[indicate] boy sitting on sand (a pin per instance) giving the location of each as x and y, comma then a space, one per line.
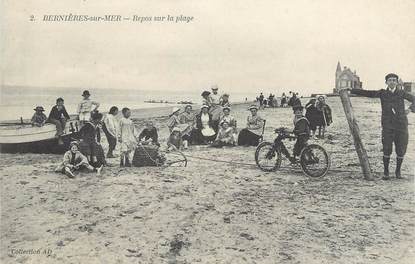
38, 118
175, 141
73, 160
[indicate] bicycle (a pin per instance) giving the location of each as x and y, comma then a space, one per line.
314, 159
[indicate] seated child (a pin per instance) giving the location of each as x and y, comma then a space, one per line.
149, 135
225, 136
38, 118
175, 141
74, 160
302, 132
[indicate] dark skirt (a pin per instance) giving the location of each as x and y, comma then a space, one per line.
93, 149
248, 138
199, 138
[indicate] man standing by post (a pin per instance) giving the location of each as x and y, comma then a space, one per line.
394, 120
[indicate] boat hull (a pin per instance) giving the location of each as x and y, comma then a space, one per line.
28, 139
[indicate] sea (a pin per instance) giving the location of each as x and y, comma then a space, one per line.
19, 101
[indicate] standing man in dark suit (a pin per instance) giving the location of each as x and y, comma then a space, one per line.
394, 120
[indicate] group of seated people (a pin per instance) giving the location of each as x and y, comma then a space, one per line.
203, 128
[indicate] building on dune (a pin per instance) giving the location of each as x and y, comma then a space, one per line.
346, 78
409, 87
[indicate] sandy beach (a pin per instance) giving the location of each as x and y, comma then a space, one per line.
214, 212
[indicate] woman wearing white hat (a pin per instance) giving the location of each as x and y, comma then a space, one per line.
205, 132
250, 135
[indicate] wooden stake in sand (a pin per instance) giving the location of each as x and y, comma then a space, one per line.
354, 130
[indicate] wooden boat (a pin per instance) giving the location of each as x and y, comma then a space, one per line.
23, 137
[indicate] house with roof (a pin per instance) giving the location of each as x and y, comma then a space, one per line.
346, 78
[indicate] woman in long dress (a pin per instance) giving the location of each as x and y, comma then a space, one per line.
188, 120
324, 115
204, 132
127, 138
250, 135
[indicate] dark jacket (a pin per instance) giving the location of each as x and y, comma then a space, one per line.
57, 114
302, 127
199, 121
90, 133
147, 134
393, 106
294, 101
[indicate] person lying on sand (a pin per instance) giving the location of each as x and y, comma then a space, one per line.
74, 160
38, 118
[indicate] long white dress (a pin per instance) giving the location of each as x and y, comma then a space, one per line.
127, 135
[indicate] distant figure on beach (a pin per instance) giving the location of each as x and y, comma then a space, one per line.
250, 135
204, 133
294, 100
127, 138
394, 120
175, 141
149, 135
90, 144
85, 107
74, 160
58, 116
110, 127
261, 100
324, 117
188, 118
284, 100
38, 118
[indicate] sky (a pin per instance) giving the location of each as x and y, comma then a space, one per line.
238, 45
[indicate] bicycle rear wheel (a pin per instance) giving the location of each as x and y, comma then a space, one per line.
267, 158
314, 161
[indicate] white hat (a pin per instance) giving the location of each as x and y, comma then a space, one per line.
253, 107
176, 129
175, 109
226, 107
204, 106
215, 87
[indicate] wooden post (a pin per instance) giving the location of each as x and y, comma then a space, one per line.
354, 130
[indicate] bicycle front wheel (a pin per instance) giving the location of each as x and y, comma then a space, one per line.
267, 157
314, 161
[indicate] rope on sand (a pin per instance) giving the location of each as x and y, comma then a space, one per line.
285, 168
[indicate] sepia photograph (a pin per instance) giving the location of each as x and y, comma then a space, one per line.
195, 131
